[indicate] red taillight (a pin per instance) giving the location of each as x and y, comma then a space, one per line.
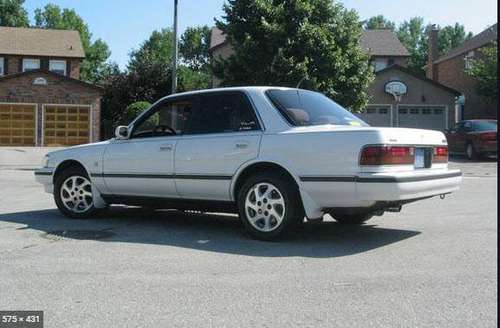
440, 155
387, 155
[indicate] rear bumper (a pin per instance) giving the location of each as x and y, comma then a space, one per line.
407, 186
367, 189
44, 177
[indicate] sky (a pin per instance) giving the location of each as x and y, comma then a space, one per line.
125, 24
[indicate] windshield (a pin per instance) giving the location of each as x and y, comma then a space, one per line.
306, 108
485, 125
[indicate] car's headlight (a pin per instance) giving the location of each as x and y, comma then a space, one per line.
45, 162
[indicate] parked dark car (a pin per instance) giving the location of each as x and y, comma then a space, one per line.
474, 138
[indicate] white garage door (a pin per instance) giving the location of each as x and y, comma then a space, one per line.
422, 117
376, 115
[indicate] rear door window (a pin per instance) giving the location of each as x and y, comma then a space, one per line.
222, 113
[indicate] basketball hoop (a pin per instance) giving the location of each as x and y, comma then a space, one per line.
397, 89
397, 96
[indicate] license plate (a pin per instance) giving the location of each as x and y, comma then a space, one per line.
419, 158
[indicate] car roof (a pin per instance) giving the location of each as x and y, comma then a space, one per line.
242, 88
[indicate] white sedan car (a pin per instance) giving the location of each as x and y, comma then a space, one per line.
273, 155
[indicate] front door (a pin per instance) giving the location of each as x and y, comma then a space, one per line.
223, 133
143, 165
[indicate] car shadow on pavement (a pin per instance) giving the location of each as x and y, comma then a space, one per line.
206, 232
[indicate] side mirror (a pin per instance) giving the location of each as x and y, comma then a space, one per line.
122, 132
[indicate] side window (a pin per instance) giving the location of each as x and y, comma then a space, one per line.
223, 113
165, 119
467, 126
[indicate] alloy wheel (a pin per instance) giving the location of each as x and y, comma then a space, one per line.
265, 207
76, 194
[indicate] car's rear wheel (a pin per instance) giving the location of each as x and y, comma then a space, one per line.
352, 219
73, 193
269, 206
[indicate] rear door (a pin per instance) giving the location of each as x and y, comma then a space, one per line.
223, 133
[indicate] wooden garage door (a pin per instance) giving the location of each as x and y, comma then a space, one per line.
17, 125
66, 125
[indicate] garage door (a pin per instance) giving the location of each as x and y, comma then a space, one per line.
17, 125
422, 117
376, 115
66, 125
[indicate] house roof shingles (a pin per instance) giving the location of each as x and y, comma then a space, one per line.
40, 42
374, 42
217, 38
382, 43
485, 37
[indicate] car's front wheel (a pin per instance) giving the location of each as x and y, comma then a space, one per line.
73, 193
269, 206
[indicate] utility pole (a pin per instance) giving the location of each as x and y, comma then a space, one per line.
175, 52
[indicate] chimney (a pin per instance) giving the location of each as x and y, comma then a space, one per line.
433, 52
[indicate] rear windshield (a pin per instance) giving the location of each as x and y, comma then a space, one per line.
485, 125
306, 108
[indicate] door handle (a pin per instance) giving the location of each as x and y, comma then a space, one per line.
241, 145
166, 148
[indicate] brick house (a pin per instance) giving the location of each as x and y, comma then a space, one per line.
42, 100
449, 70
426, 103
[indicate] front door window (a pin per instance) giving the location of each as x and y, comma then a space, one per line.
166, 119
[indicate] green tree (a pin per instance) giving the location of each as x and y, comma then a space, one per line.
451, 37
194, 46
96, 52
281, 42
413, 35
485, 70
134, 109
379, 22
156, 49
194, 69
12, 13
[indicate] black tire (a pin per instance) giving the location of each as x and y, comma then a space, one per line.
293, 210
472, 153
352, 219
59, 180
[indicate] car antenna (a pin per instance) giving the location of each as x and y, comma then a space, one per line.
302, 80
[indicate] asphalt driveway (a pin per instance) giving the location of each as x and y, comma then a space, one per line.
432, 265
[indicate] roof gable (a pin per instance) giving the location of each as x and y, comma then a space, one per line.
416, 76
40, 42
38, 72
485, 37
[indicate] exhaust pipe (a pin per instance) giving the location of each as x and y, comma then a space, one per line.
394, 209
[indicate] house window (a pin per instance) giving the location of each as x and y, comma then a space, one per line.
58, 66
2, 65
371, 110
379, 64
31, 64
469, 60
426, 111
391, 61
382, 111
